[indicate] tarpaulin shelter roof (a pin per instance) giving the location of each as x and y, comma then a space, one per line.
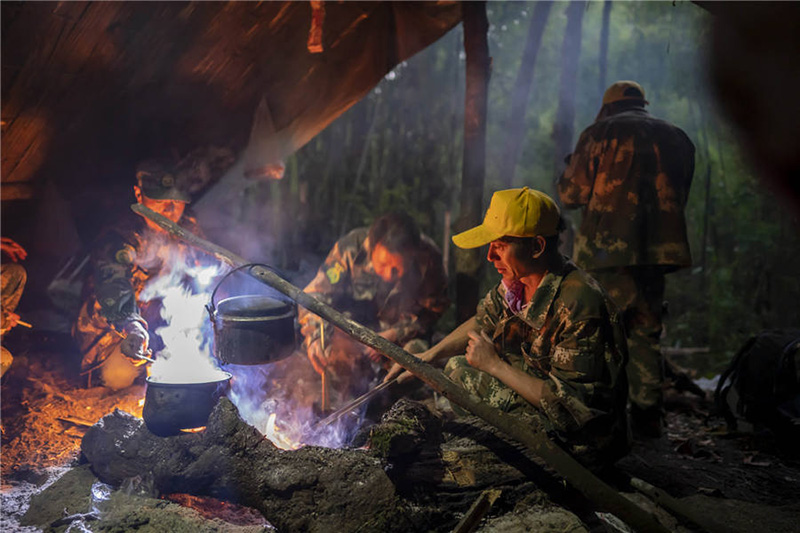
90, 88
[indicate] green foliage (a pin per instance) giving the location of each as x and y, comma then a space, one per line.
401, 148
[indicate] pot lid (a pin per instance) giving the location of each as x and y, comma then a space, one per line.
252, 306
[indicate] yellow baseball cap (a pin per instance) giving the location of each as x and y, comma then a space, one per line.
513, 213
623, 90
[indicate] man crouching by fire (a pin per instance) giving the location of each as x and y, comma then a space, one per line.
389, 277
112, 327
546, 344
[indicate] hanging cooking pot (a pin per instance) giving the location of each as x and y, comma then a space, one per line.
252, 329
171, 407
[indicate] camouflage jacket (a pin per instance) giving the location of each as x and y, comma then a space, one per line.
348, 282
631, 174
569, 335
123, 258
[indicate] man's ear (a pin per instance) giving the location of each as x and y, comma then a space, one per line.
138, 193
539, 248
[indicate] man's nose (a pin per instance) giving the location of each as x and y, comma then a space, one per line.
491, 255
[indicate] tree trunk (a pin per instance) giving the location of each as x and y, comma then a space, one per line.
603, 60
515, 127
564, 125
469, 262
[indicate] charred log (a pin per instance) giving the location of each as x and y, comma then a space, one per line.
420, 473
449, 464
311, 489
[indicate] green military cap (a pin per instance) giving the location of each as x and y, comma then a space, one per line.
158, 180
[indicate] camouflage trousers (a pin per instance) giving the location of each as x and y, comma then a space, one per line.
12, 285
492, 391
588, 451
638, 292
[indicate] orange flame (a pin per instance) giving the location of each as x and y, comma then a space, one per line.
194, 430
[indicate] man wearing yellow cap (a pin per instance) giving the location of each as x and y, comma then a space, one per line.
545, 344
630, 174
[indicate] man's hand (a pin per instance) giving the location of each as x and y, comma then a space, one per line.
404, 374
14, 251
135, 342
318, 357
12, 319
395, 371
8, 321
481, 353
376, 356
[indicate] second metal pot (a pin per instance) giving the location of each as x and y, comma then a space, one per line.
171, 407
252, 329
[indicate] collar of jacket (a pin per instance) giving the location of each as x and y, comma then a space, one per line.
544, 296
630, 110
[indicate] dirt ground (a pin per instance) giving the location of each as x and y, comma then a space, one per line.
745, 481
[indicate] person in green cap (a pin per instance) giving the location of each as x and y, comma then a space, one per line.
545, 344
630, 176
111, 329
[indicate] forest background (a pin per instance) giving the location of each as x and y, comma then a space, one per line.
400, 148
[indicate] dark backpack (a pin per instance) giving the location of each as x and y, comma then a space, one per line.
761, 386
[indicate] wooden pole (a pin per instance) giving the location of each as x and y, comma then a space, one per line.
677, 507
579, 477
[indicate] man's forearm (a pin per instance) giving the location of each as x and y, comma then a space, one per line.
455, 343
528, 386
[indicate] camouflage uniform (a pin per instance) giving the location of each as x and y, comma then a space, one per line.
123, 259
348, 282
630, 173
14, 277
570, 336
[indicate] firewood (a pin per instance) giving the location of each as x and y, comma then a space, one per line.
470, 522
75, 420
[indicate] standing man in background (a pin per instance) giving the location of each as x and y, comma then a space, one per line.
630, 174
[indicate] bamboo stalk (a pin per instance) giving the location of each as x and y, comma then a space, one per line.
324, 376
579, 477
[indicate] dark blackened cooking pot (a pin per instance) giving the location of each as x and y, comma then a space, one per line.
171, 407
252, 329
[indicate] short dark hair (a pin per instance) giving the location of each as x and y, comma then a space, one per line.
527, 245
396, 231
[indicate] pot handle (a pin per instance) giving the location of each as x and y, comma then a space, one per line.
211, 307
